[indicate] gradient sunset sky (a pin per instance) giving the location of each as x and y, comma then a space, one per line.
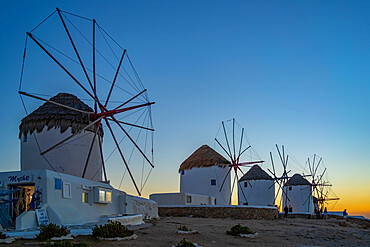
291, 72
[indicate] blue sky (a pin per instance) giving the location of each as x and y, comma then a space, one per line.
291, 72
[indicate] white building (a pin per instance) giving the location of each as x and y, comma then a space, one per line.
298, 195
68, 200
203, 173
256, 188
54, 182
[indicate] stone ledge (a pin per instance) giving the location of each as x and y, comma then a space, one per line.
244, 213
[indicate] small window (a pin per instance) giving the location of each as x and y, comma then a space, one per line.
245, 203
245, 184
290, 187
25, 138
102, 195
182, 172
108, 196
67, 190
85, 197
213, 182
215, 201
188, 199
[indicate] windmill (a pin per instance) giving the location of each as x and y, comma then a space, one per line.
72, 53
284, 177
234, 148
320, 186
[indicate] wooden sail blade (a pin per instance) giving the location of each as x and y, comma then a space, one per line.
115, 78
53, 102
128, 101
75, 49
223, 182
227, 141
90, 151
122, 156
133, 125
223, 148
133, 142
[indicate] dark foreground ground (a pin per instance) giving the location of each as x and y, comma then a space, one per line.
212, 232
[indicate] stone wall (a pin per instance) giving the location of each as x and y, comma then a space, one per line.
235, 212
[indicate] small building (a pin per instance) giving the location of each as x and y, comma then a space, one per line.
256, 188
67, 199
205, 172
298, 195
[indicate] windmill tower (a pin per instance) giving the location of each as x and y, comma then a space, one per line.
50, 124
256, 188
299, 194
203, 172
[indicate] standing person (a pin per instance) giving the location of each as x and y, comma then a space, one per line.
325, 213
345, 213
315, 213
286, 211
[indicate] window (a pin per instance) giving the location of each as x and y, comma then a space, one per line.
213, 182
245, 184
25, 138
290, 187
85, 197
188, 199
108, 196
182, 172
245, 203
67, 190
102, 195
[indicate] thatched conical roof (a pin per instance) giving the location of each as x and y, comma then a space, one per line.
256, 173
203, 157
297, 179
53, 116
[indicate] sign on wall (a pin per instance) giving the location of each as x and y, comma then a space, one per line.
42, 217
16, 179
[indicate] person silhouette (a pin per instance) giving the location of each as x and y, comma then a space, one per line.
286, 211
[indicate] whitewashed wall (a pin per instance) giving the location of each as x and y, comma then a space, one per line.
69, 158
198, 181
300, 198
261, 193
181, 199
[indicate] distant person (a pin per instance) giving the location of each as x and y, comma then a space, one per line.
315, 211
325, 213
320, 214
286, 210
345, 213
